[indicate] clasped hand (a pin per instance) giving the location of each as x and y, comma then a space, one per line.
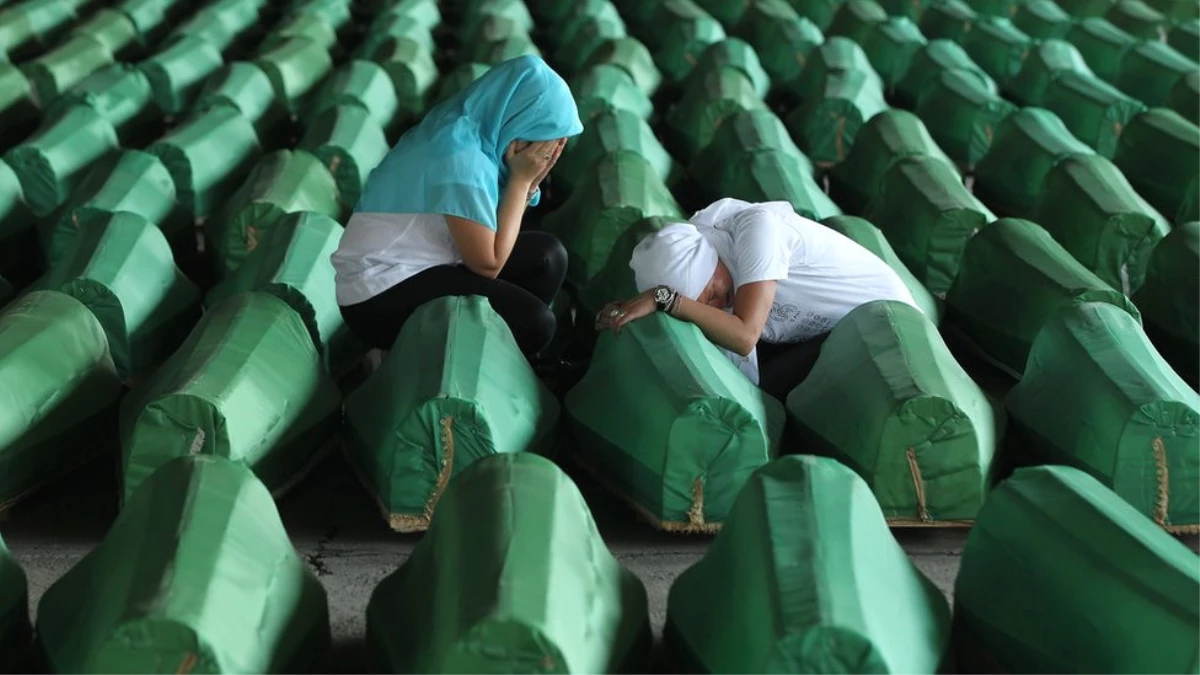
530, 164
615, 315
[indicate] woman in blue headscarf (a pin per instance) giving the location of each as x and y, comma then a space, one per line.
441, 215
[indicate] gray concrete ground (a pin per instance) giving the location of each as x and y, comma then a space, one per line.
337, 529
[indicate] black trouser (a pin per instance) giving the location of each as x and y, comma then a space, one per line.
783, 366
521, 295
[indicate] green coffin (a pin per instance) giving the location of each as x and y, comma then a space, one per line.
711, 97
1170, 299
865, 234
948, 20
615, 280
806, 578
1014, 277
745, 131
295, 68
774, 175
1045, 62
177, 72
1159, 152
535, 589
121, 94
1097, 396
197, 575
667, 422
782, 39
856, 19
1093, 110
52, 162
68, 64
244, 87
247, 385
891, 46
431, 410
963, 115
999, 47
1102, 44
350, 143
610, 131
681, 32
1043, 20
361, 83
1138, 19
929, 62
630, 55
61, 391
1184, 98
1061, 576
1150, 70
606, 87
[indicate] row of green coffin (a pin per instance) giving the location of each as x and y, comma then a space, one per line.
805, 577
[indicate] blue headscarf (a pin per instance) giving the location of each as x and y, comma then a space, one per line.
453, 161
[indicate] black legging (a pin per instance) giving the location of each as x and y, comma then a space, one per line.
781, 367
521, 295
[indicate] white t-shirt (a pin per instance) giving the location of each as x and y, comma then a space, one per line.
379, 250
821, 274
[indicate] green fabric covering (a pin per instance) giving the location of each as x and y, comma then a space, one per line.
681, 32
1159, 152
1093, 110
888, 136
906, 9
1014, 276
580, 40
424, 11
820, 12
430, 411
295, 68
856, 19
244, 87
120, 266
884, 370
630, 55
1151, 70
293, 263
963, 116
669, 423
1189, 210
113, 29
1133, 423
929, 216
998, 47
65, 66
608, 132
52, 162
806, 578
361, 83
534, 589
1053, 545
731, 53
1185, 98
285, 181
863, 233
615, 280
1045, 62
928, 64
350, 144
513, 10
15, 631
392, 26
744, 132
827, 124
1091, 209
890, 46
122, 95
308, 26
1170, 299
457, 80
197, 574
1028, 144
247, 385
1042, 20
208, 157
1102, 44
177, 73
495, 53
30, 27
337, 13
1185, 38
728, 12
413, 75
775, 175
1138, 19
58, 411
7, 292
131, 182
580, 16
616, 191
835, 57
18, 112
997, 8
1083, 9
780, 36
948, 20
1176, 12
710, 99
150, 17
608, 87
221, 24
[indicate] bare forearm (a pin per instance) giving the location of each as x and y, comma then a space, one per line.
508, 222
722, 328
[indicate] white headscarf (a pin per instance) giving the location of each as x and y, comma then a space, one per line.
678, 256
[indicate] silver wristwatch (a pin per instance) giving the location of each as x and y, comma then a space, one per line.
664, 298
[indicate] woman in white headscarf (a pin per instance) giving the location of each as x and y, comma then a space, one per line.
760, 281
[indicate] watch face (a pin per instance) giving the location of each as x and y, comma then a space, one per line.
661, 294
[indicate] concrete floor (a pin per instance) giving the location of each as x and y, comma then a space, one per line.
338, 531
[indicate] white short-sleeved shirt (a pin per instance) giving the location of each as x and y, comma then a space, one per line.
379, 250
821, 274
